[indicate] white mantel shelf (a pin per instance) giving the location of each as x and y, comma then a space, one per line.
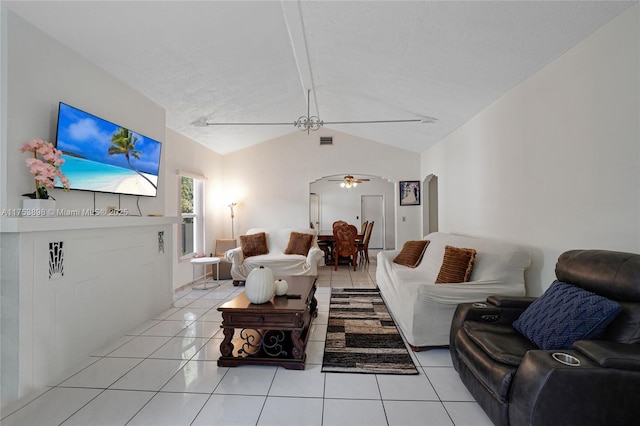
43, 224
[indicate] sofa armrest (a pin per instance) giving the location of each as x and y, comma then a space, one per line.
387, 256
484, 312
510, 301
313, 256
610, 354
234, 256
546, 392
478, 311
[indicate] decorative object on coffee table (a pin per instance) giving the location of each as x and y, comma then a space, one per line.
260, 286
274, 333
281, 287
362, 336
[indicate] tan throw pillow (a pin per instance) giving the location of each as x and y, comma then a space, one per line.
299, 243
254, 244
411, 253
456, 265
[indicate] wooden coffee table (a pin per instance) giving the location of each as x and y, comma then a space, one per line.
272, 333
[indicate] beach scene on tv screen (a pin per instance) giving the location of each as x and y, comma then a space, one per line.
104, 157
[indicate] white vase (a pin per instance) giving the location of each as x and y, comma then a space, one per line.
260, 286
38, 207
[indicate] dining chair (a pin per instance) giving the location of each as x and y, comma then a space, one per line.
345, 244
339, 223
363, 246
363, 230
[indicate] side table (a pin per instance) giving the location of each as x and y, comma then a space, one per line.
205, 261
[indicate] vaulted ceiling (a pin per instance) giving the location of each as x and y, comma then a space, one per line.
254, 61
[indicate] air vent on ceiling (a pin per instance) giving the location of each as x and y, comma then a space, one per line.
326, 140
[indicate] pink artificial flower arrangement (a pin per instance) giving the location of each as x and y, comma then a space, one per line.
47, 170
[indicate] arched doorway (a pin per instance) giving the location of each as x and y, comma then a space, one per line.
430, 208
328, 202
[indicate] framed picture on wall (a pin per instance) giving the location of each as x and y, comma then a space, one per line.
409, 193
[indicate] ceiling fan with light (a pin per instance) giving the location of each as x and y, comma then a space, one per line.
306, 123
349, 181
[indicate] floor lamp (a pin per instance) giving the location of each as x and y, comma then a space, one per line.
231, 206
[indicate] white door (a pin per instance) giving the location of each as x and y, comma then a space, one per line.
372, 208
314, 211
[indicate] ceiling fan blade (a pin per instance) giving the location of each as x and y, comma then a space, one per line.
208, 123
373, 121
425, 120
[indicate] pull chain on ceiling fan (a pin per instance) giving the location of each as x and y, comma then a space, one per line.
307, 123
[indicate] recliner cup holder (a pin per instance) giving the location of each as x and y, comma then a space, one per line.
566, 359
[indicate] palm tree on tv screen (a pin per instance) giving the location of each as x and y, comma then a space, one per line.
124, 142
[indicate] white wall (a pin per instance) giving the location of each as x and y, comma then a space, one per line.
38, 73
187, 155
271, 180
555, 163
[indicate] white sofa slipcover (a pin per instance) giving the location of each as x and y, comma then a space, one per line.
281, 264
422, 309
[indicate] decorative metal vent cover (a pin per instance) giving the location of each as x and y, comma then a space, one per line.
326, 140
160, 241
56, 260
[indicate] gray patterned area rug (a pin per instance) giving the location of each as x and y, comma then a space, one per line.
362, 337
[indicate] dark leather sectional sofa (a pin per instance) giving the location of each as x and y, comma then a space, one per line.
516, 383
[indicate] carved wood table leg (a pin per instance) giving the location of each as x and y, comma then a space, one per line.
298, 344
226, 347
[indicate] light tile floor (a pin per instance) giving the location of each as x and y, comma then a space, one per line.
164, 372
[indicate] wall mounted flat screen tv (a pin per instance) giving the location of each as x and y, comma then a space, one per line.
104, 157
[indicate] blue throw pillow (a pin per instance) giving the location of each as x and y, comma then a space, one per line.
565, 314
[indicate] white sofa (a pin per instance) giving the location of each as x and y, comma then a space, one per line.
422, 309
280, 263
